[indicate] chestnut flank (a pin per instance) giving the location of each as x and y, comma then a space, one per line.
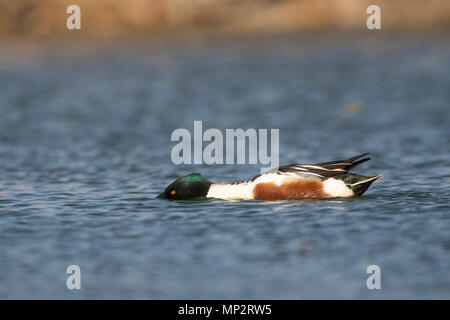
309, 188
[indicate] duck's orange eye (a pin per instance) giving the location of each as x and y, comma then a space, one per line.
172, 192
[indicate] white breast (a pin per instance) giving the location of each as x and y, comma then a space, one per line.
227, 191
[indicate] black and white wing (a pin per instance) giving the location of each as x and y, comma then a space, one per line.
323, 170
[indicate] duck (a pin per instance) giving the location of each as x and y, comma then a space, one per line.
289, 182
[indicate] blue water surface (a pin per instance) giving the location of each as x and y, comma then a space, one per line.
85, 148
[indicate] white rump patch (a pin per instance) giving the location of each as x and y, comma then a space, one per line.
337, 188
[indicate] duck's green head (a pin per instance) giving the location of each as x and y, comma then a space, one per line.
188, 187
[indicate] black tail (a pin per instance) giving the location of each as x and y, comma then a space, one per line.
359, 184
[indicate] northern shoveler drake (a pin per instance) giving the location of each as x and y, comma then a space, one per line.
294, 181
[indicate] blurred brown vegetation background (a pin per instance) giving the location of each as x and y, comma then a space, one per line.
112, 18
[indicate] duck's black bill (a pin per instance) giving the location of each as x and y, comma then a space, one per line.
162, 196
